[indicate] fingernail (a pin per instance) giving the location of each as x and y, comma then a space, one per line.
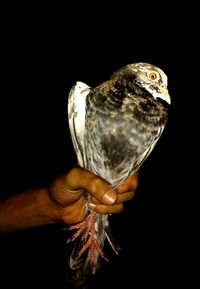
118, 190
109, 197
92, 206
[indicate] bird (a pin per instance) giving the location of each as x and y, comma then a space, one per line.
114, 126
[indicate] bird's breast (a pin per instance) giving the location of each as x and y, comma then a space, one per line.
118, 133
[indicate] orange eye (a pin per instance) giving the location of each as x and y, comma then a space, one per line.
153, 75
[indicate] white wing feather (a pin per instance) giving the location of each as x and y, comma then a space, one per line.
76, 118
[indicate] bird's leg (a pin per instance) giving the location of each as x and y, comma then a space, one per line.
83, 226
90, 238
90, 224
94, 251
79, 228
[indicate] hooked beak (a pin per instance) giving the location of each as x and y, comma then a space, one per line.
165, 94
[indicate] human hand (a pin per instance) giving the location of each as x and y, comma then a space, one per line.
68, 200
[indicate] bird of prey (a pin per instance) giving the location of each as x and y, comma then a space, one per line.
114, 127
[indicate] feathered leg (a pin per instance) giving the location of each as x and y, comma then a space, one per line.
92, 234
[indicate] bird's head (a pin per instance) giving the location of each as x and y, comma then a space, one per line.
148, 77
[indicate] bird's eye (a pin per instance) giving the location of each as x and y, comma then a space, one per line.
153, 75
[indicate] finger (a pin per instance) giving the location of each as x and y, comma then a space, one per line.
79, 178
74, 213
103, 209
121, 198
130, 184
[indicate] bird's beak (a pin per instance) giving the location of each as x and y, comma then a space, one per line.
165, 94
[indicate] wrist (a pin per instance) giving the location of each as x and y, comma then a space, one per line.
49, 207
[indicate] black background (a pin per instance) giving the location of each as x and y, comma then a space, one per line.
43, 53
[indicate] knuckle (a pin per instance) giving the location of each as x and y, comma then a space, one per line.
136, 180
130, 195
101, 209
120, 208
95, 184
73, 172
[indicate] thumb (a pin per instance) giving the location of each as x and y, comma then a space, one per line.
79, 178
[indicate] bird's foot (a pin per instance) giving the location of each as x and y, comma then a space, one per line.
84, 227
90, 240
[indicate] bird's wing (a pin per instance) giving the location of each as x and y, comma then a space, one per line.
76, 119
147, 152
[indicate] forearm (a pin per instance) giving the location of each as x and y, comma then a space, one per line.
26, 210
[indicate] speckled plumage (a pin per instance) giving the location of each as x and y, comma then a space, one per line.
115, 126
